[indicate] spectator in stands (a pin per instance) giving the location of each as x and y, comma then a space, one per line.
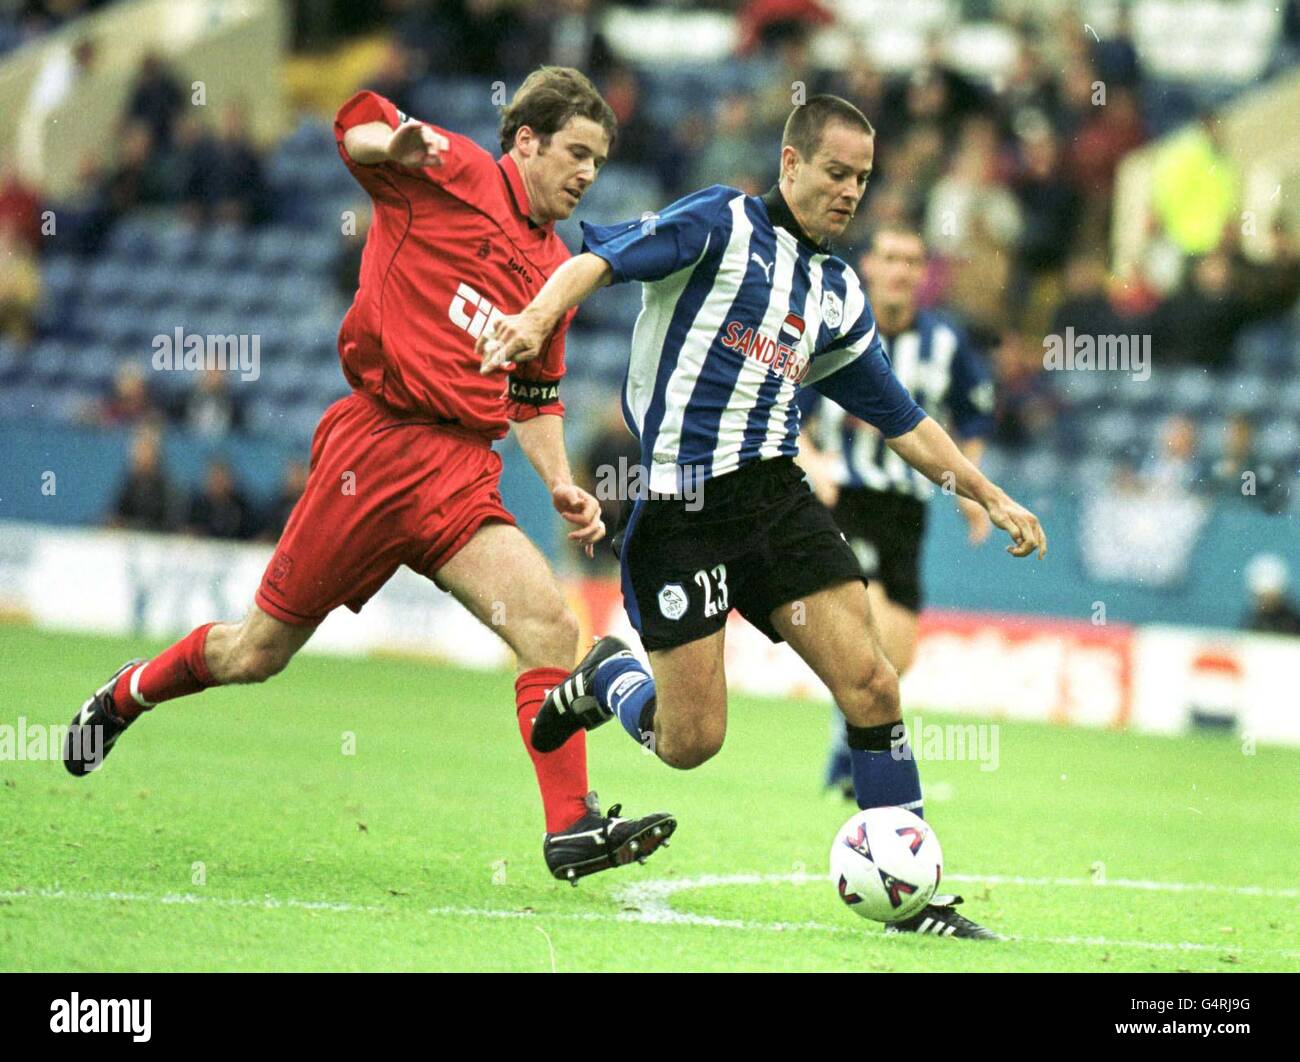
1108, 133
20, 209
129, 403
471, 38
967, 201
1049, 205
20, 286
136, 181
1271, 612
731, 155
396, 76
1241, 473
1086, 307
1196, 187
225, 181
611, 460
641, 141
763, 21
211, 409
1176, 468
1199, 322
220, 509
567, 33
85, 217
1030, 87
1025, 404
147, 499
863, 85
291, 488
156, 99
1116, 56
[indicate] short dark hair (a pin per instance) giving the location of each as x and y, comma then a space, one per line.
549, 97
804, 127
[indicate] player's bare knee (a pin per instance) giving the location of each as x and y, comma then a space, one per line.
686, 749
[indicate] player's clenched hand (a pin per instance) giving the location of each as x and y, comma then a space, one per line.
416, 145
1027, 534
579, 507
510, 340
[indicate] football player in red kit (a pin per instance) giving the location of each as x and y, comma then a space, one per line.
402, 470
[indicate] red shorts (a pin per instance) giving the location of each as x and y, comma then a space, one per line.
383, 491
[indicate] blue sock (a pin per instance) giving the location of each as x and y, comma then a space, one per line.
884, 772
624, 686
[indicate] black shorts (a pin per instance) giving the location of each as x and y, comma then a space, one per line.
885, 530
759, 540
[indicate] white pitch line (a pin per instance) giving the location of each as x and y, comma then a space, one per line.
1128, 883
681, 918
668, 886
649, 903
268, 903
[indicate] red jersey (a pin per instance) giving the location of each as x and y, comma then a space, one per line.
450, 249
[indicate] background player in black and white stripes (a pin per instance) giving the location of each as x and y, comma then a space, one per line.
878, 500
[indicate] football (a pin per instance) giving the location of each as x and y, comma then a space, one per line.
886, 864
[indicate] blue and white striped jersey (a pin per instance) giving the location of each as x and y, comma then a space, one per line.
739, 311
937, 363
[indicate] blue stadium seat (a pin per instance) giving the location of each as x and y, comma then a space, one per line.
1266, 348
1083, 391
1247, 393
453, 103
1112, 432
1279, 441
1192, 390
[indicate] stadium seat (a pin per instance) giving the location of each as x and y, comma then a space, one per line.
1192, 390
1247, 393
1279, 442
1113, 432
1265, 348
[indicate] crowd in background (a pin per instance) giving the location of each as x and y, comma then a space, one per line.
149, 499
165, 155
1011, 184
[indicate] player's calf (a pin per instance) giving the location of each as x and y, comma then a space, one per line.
251, 651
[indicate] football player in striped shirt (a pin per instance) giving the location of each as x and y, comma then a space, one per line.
744, 304
877, 499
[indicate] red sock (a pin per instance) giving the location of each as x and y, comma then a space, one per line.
562, 774
175, 672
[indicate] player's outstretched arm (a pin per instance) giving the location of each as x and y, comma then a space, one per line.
542, 440
412, 144
522, 336
931, 451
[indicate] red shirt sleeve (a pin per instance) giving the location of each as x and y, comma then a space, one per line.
533, 388
462, 166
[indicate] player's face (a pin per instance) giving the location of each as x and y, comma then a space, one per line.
894, 268
559, 174
826, 190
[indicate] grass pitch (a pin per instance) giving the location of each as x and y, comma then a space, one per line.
234, 831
